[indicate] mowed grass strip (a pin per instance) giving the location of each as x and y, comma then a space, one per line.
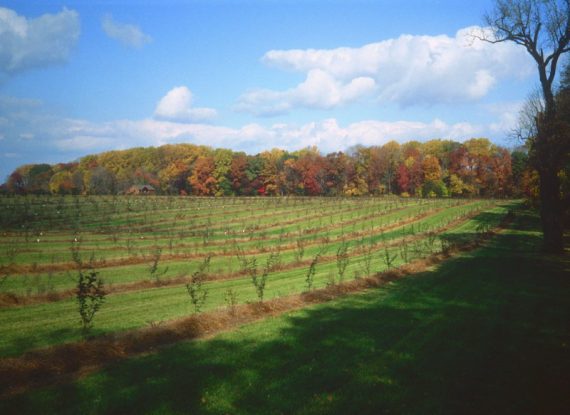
288, 262
486, 332
130, 243
35, 326
46, 245
90, 210
99, 214
224, 261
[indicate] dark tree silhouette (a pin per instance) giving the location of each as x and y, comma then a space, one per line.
542, 27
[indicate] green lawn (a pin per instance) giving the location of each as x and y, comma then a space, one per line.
487, 332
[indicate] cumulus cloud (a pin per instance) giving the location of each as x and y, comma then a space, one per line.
28, 125
127, 34
33, 43
408, 70
506, 115
176, 105
327, 134
319, 90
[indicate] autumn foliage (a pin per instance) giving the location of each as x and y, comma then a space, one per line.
433, 168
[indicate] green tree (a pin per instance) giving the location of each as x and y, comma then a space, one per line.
272, 169
389, 157
519, 164
456, 185
223, 164
90, 293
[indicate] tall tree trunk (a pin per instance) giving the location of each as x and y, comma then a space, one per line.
551, 205
551, 210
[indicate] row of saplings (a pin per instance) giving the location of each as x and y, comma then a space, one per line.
90, 293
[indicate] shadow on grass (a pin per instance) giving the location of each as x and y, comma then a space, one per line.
31, 341
524, 238
483, 333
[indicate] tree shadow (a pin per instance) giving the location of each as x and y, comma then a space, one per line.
481, 333
31, 341
486, 222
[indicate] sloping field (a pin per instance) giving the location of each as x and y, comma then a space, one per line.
485, 332
146, 248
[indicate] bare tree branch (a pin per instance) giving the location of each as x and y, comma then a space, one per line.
543, 28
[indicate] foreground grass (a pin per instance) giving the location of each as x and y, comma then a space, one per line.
483, 333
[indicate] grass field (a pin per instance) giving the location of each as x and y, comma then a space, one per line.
485, 332
127, 236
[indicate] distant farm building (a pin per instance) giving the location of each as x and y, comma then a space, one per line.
144, 189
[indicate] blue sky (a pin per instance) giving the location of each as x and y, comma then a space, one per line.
79, 77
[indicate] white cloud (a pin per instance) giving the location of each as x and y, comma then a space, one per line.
84, 143
319, 90
176, 105
506, 115
75, 137
30, 127
127, 34
32, 43
408, 70
327, 134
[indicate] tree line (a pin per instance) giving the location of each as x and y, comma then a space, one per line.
436, 168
